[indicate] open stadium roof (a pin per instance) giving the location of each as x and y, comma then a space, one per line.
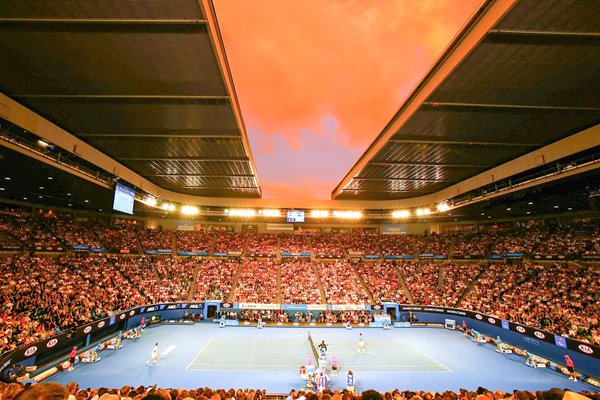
143, 91
521, 75
146, 83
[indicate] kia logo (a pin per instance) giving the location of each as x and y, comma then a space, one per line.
87, 329
101, 324
492, 320
521, 329
377, 307
539, 334
30, 351
52, 343
479, 317
586, 349
131, 313
226, 305
122, 316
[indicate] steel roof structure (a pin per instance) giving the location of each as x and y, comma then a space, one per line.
143, 91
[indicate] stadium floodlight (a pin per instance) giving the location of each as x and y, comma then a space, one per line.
423, 211
347, 214
168, 207
271, 213
443, 207
242, 212
319, 214
150, 201
401, 214
189, 210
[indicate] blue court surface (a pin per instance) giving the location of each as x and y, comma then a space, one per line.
203, 355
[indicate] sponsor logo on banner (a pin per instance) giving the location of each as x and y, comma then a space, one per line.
122, 316
592, 381
520, 329
131, 313
30, 351
52, 343
101, 324
539, 335
88, 329
491, 320
479, 317
172, 307
586, 349
194, 305
226, 305
376, 307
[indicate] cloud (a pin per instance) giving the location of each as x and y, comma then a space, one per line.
296, 62
317, 155
298, 187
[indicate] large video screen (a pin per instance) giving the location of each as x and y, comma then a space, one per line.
295, 216
124, 198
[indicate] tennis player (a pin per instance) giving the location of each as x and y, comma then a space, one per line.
155, 354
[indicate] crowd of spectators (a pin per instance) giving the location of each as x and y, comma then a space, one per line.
486, 294
572, 240
437, 244
215, 278
299, 284
294, 243
72, 390
119, 238
519, 241
340, 283
327, 246
422, 281
257, 282
43, 296
455, 281
473, 244
362, 244
194, 241
346, 316
397, 245
264, 316
382, 280
156, 239
262, 245
229, 243
560, 298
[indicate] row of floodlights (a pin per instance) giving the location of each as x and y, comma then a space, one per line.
249, 212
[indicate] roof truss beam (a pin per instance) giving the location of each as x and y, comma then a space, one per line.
201, 175
416, 192
214, 187
102, 21
403, 180
510, 106
195, 159
157, 135
426, 164
461, 143
545, 34
118, 97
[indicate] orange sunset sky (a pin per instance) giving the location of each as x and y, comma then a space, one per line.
317, 80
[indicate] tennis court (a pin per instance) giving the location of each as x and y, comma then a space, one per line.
204, 355
269, 354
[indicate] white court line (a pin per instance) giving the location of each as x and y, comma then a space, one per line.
377, 358
168, 350
391, 369
428, 356
252, 354
200, 352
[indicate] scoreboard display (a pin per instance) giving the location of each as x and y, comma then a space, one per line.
295, 216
